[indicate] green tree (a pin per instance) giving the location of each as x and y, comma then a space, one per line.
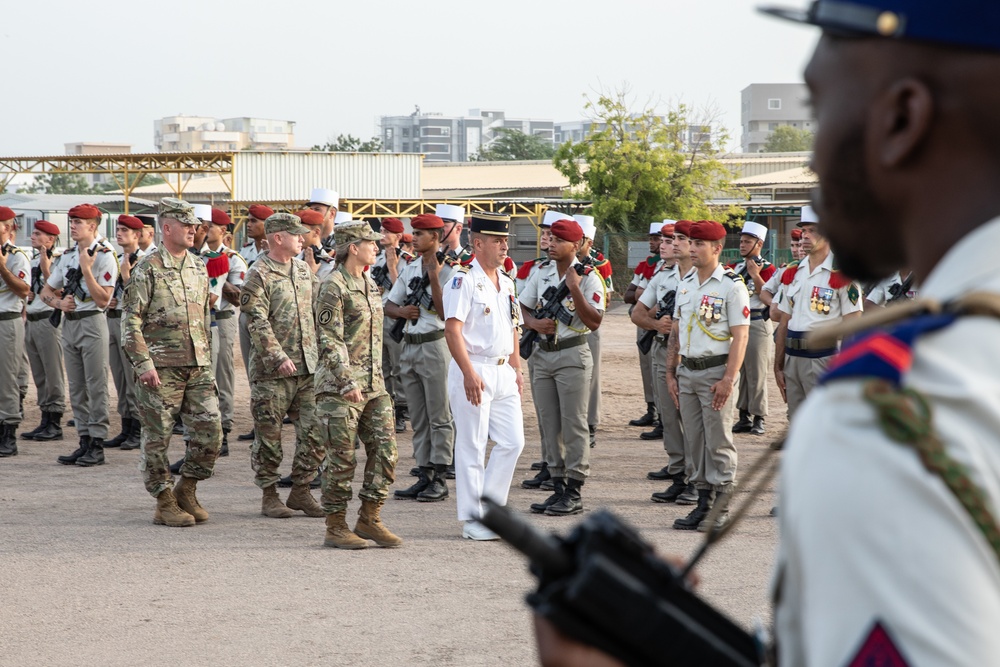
135, 181
788, 139
640, 167
60, 184
348, 143
516, 145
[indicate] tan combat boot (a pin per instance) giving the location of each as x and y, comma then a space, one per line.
187, 501
339, 535
370, 526
168, 513
272, 506
301, 499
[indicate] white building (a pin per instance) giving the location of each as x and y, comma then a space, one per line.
201, 133
765, 107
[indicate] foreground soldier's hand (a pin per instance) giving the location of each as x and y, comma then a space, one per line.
354, 396
150, 379
286, 368
474, 386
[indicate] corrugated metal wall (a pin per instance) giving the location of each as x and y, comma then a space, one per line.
271, 176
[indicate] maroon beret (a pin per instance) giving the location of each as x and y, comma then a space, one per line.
310, 217
6, 214
683, 227
407, 238
261, 212
130, 221
47, 227
707, 230
393, 225
567, 230
427, 221
796, 234
220, 217
668, 229
85, 212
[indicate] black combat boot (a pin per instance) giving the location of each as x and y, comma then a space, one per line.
656, 433
121, 437
94, 455
571, 501
8, 440
30, 435
411, 493
437, 489
675, 489
400, 419
178, 426
71, 459
449, 472
698, 514
648, 418
758, 426
744, 424
659, 475
134, 440
537, 465
52, 430
722, 505
414, 471
559, 488
175, 467
536, 481
246, 436
224, 450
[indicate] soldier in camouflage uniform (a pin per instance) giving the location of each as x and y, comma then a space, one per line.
165, 333
351, 393
277, 301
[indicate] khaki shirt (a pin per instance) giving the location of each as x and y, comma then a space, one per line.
429, 321
666, 279
705, 312
277, 300
547, 274
104, 268
810, 299
19, 265
37, 305
165, 313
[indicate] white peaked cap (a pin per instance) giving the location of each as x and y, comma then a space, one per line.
341, 218
755, 229
587, 225
654, 227
450, 212
203, 212
551, 217
325, 197
808, 215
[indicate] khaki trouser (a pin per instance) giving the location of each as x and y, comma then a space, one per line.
11, 364
708, 433
801, 375
594, 404
227, 331
670, 416
757, 365
425, 380
646, 366
561, 380
391, 370
121, 371
44, 347
538, 410
85, 351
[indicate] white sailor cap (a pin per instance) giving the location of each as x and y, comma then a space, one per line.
654, 227
587, 225
326, 197
808, 216
755, 229
554, 216
203, 212
450, 212
341, 217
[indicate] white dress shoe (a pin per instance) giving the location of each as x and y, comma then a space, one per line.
473, 530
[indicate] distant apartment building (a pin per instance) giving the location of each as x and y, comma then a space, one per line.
453, 138
201, 133
575, 131
96, 148
767, 106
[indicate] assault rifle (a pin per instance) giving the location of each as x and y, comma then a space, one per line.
380, 274
552, 310
417, 296
605, 586
900, 290
71, 287
119, 291
666, 308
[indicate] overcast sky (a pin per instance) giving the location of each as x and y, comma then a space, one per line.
105, 70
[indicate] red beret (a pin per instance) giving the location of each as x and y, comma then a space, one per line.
261, 212
796, 234
707, 230
667, 229
427, 221
310, 217
130, 221
220, 218
567, 230
407, 238
393, 225
85, 212
45, 226
6, 214
683, 227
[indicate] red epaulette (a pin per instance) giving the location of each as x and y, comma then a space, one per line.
838, 280
604, 268
647, 268
600, 256
467, 262
525, 270
789, 275
508, 264
731, 266
217, 266
767, 272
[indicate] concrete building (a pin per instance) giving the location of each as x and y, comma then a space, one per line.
201, 133
765, 107
576, 131
96, 148
453, 138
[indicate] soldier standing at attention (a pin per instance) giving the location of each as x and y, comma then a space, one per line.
91, 270
451, 240
351, 396
277, 300
166, 334
316, 257
251, 250
147, 239
591, 257
643, 274
708, 340
384, 273
484, 378
15, 285
424, 359
127, 234
43, 340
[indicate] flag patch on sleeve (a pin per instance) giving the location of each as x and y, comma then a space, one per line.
746, 311
597, 297
456, 282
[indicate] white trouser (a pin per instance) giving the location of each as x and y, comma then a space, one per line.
497, 417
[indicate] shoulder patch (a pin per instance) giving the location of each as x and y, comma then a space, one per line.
456, 282
878, 649
853, 294
244, 298
325, 316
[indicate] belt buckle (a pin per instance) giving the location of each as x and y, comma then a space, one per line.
501, 361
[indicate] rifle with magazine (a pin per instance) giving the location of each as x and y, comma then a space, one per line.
416, 296
552, 310
71, 286
666, 308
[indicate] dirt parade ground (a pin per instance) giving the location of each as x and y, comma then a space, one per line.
87, 579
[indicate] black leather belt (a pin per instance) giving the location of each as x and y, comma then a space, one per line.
704, 363
114, 314
760, 314
79, 316
564, 344
797, 345
34, 317
10, 316
417, 339
223, 315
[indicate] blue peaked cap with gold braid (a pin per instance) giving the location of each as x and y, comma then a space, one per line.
970, 24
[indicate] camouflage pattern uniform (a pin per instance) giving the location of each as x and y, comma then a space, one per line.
349, 325
165, 326
277, 301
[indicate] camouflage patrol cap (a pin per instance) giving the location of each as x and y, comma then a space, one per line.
354, 232
179, 210
285, 222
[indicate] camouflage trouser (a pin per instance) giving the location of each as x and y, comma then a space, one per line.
190, 391
340, 421
269, 401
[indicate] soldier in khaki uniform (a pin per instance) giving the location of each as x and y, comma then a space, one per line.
708, 339
128, 231
351, 395
15, 280
166, 334
385, 271
277, 301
